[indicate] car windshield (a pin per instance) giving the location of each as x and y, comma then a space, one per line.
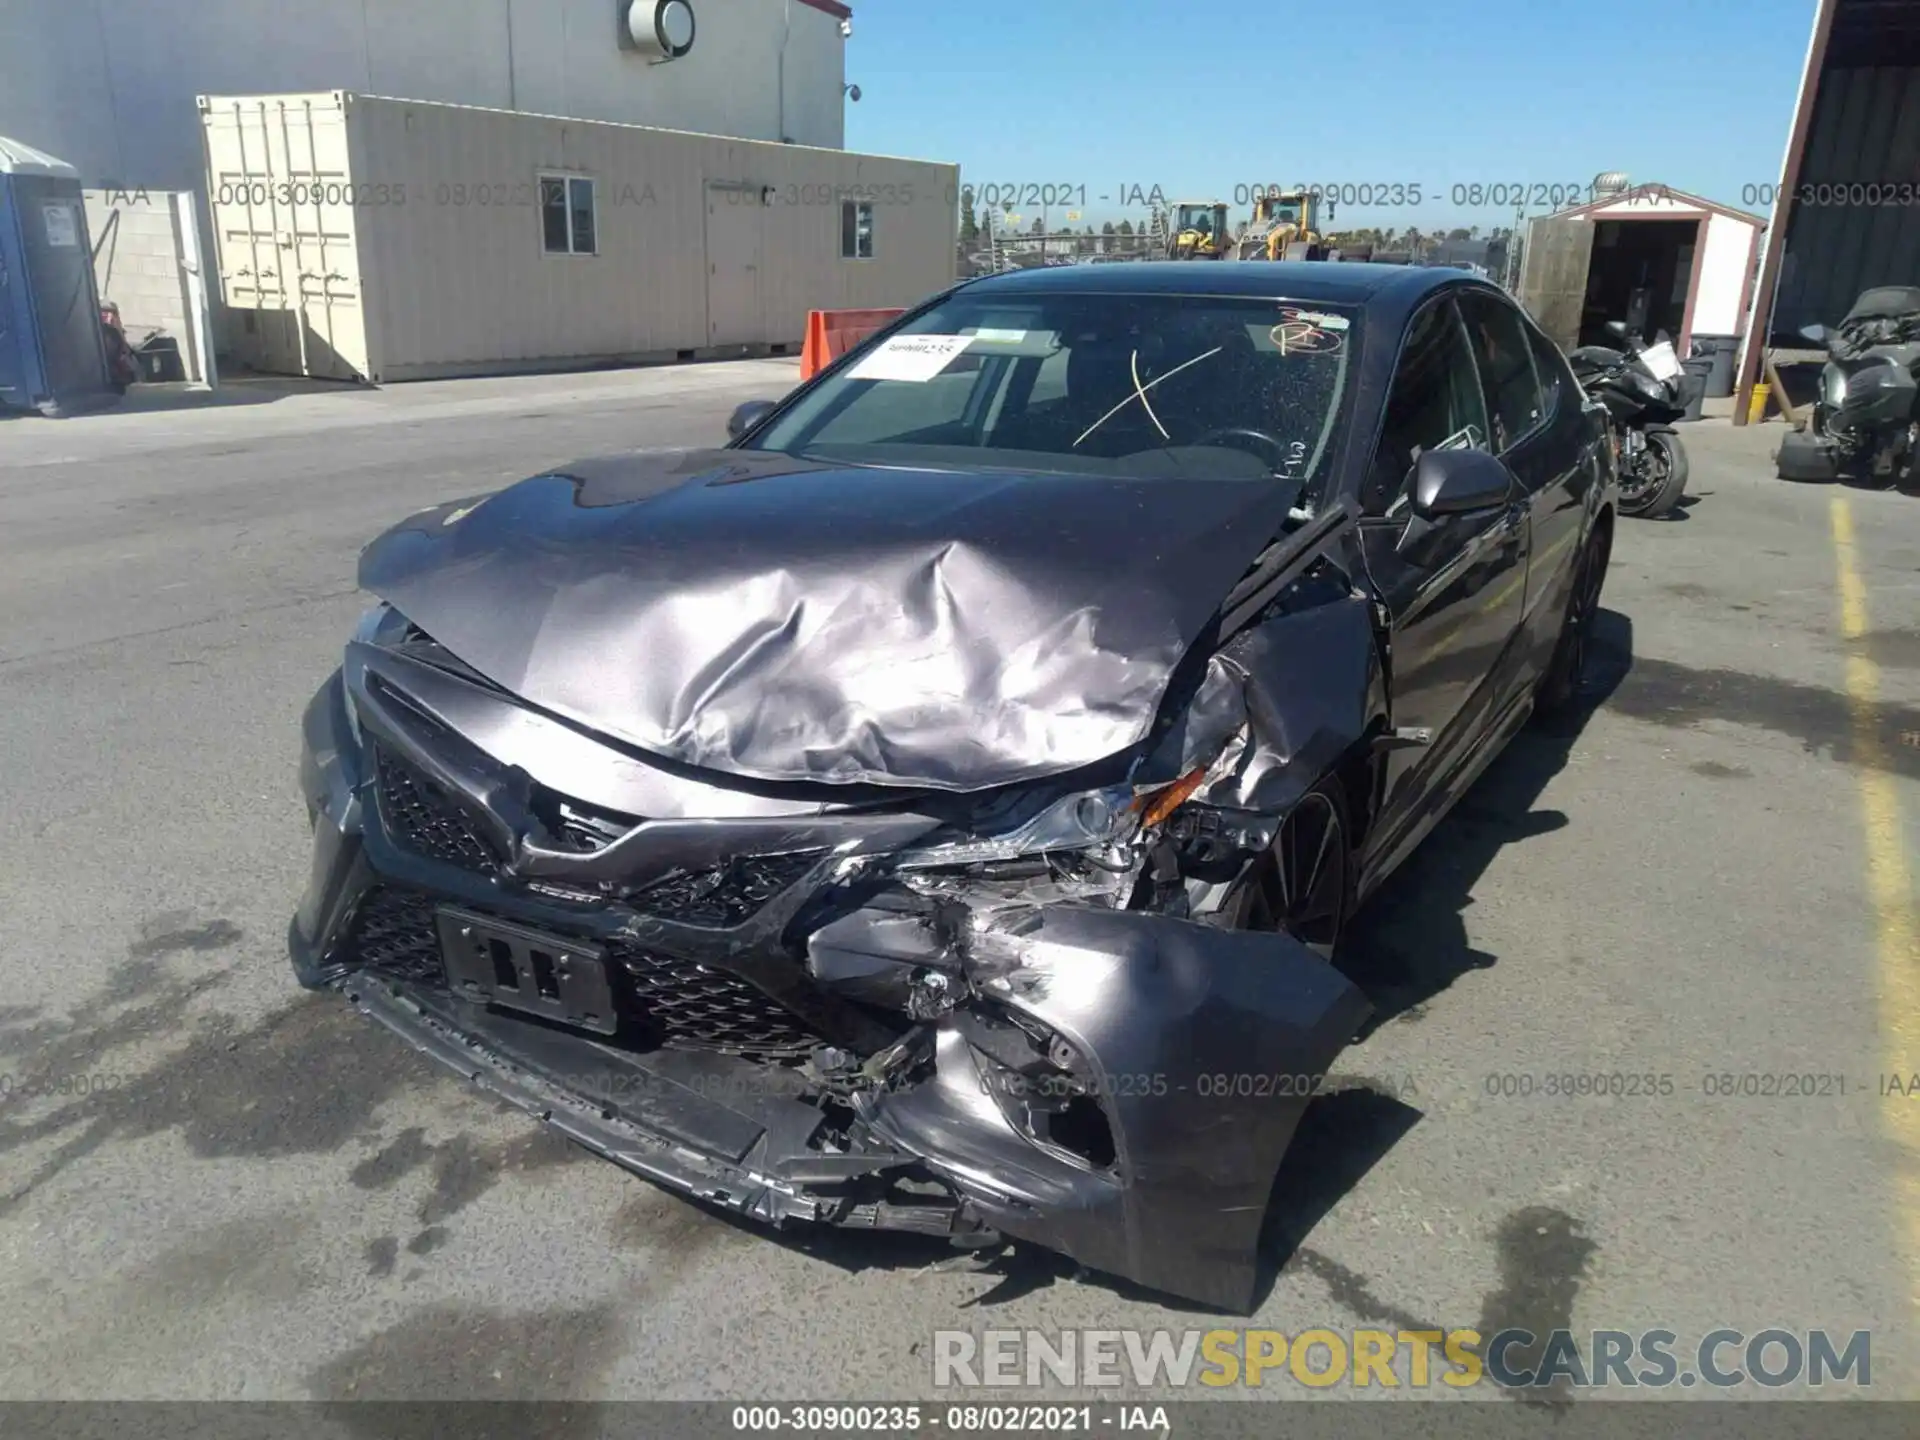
1150, 386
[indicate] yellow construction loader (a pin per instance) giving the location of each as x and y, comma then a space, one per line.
1198, 231
1282, 219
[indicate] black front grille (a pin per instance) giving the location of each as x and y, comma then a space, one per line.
697, 1005
727, 894
421, 816
394, 933
685, 1002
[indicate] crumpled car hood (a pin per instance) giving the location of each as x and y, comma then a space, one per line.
794, 621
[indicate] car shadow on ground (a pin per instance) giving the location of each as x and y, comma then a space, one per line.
1407, 947
1410, 943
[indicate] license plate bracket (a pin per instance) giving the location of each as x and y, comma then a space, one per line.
519, 968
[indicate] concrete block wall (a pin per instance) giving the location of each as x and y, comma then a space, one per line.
137, 264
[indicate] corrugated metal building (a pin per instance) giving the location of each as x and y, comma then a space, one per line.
1846, 215
385, 239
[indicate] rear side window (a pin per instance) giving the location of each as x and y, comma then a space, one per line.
1556, 380
1434, 404
1504, 352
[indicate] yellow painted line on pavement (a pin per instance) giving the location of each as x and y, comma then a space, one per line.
1890, 888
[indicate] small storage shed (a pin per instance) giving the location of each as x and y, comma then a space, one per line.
371, 238
1654, 257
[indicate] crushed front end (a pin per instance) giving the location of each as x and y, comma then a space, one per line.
1023, 1015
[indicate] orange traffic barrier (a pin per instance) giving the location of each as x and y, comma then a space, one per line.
831, 333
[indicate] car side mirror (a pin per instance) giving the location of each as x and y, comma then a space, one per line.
1816, 333
1454, 482
747, 415
1617, 329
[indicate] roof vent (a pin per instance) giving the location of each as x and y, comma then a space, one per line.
1610, 182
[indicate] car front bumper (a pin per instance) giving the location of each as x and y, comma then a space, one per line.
1200, 1046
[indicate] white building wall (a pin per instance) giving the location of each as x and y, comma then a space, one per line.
1723, 277
109, 85
137, 265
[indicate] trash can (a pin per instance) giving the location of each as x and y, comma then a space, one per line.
53, 357
1693, 384
1723, 350
159, 359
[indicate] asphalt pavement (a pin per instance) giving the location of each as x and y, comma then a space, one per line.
215, 1186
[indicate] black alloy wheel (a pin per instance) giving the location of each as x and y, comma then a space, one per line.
1304, 888
1560, 686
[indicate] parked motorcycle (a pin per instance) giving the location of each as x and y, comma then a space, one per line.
122, 368
1639, 384
1866, 423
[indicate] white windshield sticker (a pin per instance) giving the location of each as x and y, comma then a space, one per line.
1000, 337
1317, 318
910, 357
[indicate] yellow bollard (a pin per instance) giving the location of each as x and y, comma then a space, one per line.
1757, 409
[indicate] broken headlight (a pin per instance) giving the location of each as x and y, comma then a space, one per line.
375, 626
1090, 820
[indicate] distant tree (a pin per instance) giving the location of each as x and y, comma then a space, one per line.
1460, 233
1039, 226
1125, 228
969, 227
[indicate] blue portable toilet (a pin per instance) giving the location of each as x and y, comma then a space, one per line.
52, 356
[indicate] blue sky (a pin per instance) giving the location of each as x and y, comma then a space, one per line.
1208, 99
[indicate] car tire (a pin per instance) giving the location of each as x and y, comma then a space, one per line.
1559, 687
1304, 884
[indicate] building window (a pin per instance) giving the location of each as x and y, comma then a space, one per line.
567, 215
856, 230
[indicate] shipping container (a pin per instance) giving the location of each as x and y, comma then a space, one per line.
365, 237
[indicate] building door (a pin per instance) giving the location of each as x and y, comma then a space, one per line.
734, 234
285, 231
58, 266
1553, 276
16, 312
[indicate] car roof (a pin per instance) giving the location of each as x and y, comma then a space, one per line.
1401, 286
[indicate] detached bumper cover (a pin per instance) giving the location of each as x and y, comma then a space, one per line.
1200, 1046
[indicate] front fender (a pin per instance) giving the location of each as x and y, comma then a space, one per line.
1202, 1045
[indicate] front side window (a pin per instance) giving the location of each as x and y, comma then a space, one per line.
1152, 386
1434, 404
1505, 355
856, 230
567, 215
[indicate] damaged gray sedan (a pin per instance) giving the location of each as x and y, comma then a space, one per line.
938, 809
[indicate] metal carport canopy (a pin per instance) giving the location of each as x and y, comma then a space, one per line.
1853, 153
